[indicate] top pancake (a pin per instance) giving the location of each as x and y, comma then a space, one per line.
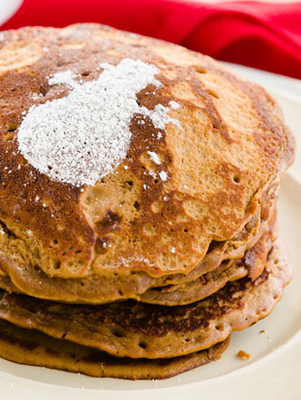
227, 151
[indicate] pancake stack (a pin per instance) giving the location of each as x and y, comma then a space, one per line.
138, 190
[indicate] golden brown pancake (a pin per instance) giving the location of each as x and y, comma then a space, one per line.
99, 289
221, 161
137, 330
31, 347
252, 264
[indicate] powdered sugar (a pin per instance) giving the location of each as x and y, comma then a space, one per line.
159, 116
65, 77
154, 157
85, 135
163, 175
153, 174
174, 105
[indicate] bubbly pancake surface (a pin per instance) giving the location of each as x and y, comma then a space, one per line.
178, 189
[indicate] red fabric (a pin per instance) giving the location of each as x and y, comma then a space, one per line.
261, 35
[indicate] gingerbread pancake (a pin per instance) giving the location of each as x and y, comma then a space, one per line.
31, 347
127, 157
252, 264
98, 289
137, 330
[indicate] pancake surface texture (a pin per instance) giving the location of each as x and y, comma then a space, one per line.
198, 157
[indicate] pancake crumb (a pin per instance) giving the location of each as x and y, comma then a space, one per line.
243, 355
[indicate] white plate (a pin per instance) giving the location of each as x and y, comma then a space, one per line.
273, 371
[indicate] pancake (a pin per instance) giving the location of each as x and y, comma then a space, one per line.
251, 265
137, 330
30, 347
112, 287
206, 152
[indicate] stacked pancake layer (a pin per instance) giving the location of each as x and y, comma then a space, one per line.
144, 271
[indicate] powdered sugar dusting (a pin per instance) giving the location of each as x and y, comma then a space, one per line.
174, 105
163, 175
154, 157
159, 116
85, 135
65, 77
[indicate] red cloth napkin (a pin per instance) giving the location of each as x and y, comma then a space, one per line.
261, 35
